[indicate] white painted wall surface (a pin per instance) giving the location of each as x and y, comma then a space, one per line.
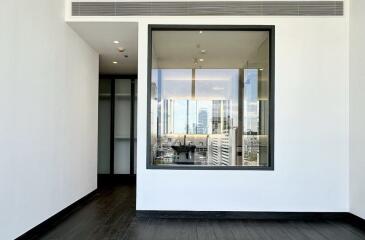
48, 102
311, 128
357, 110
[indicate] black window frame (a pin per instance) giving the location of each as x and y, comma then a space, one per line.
168, 27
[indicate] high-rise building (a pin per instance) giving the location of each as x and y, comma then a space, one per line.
202, 121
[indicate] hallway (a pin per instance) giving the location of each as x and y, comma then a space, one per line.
111, 215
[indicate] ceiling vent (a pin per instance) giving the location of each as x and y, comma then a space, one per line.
210, 8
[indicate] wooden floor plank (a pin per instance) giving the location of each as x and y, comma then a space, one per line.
111, 215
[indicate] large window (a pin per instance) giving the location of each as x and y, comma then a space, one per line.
211, 97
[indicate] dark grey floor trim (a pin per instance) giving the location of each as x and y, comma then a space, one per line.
51, 222
245, 215
356, 221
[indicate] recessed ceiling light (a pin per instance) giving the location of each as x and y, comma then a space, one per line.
121, 49
261, 69
200, 32
201, 59
115, 62
116, 42
203, 51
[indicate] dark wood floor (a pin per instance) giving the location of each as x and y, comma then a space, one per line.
111, 215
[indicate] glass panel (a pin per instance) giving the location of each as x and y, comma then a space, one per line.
135, 125
251, 118
122, 126
104, 126
209, 98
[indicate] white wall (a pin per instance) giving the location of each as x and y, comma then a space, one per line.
311, 129
357, 110
48, 102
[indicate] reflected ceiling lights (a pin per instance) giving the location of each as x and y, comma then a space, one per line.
195, 61
115, 62
116, 42
121, 49
218, 88
201, 59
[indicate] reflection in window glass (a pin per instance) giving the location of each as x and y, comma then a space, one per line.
209, 98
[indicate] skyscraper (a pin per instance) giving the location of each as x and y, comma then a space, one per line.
202, 121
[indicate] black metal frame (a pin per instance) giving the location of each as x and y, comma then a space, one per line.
112, 78
131, 143
112, 126
271, 30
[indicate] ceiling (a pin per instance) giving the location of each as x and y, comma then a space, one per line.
100, 36
172, 49
221, 49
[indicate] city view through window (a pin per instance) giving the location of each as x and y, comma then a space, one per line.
210, 98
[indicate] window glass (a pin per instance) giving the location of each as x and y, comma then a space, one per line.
209, 98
